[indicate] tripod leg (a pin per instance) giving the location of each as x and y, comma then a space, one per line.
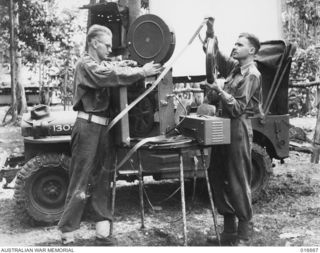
141, 189
183, 202
114, 185
195, 177
210, 196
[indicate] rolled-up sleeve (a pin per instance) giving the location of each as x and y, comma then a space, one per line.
108, 75
236, 105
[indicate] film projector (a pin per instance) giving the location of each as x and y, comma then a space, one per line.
150, 39
147, 39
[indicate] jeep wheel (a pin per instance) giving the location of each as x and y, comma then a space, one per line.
41, 189
261, 170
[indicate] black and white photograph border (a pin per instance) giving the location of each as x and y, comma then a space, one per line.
286, 198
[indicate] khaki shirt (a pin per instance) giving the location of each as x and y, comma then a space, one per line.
92, 83
243, 85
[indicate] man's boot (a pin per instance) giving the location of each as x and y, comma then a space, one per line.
103, 237
67, 238
229, 235
243, 234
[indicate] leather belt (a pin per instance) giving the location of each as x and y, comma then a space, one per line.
93, 118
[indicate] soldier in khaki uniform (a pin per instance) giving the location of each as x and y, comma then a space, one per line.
230, 168
92, 146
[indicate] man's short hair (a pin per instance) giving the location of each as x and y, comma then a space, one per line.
97, 30
254, 41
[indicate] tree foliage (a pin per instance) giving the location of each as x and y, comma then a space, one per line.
44, 35
42, 29
306, 10
305, 64
301, 26
301, 21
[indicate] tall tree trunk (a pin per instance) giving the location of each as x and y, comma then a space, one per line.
316, 141
20, 92
12, 61
21, 95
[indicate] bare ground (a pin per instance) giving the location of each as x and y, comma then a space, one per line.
287, 213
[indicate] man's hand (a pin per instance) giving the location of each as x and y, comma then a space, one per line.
216, 86
151, 69
210, 22
213, 86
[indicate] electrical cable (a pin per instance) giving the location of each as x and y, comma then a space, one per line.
185, 110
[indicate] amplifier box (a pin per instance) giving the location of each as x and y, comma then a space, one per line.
207, 130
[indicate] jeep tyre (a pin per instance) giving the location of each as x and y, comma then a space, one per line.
261, 170
41, 189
